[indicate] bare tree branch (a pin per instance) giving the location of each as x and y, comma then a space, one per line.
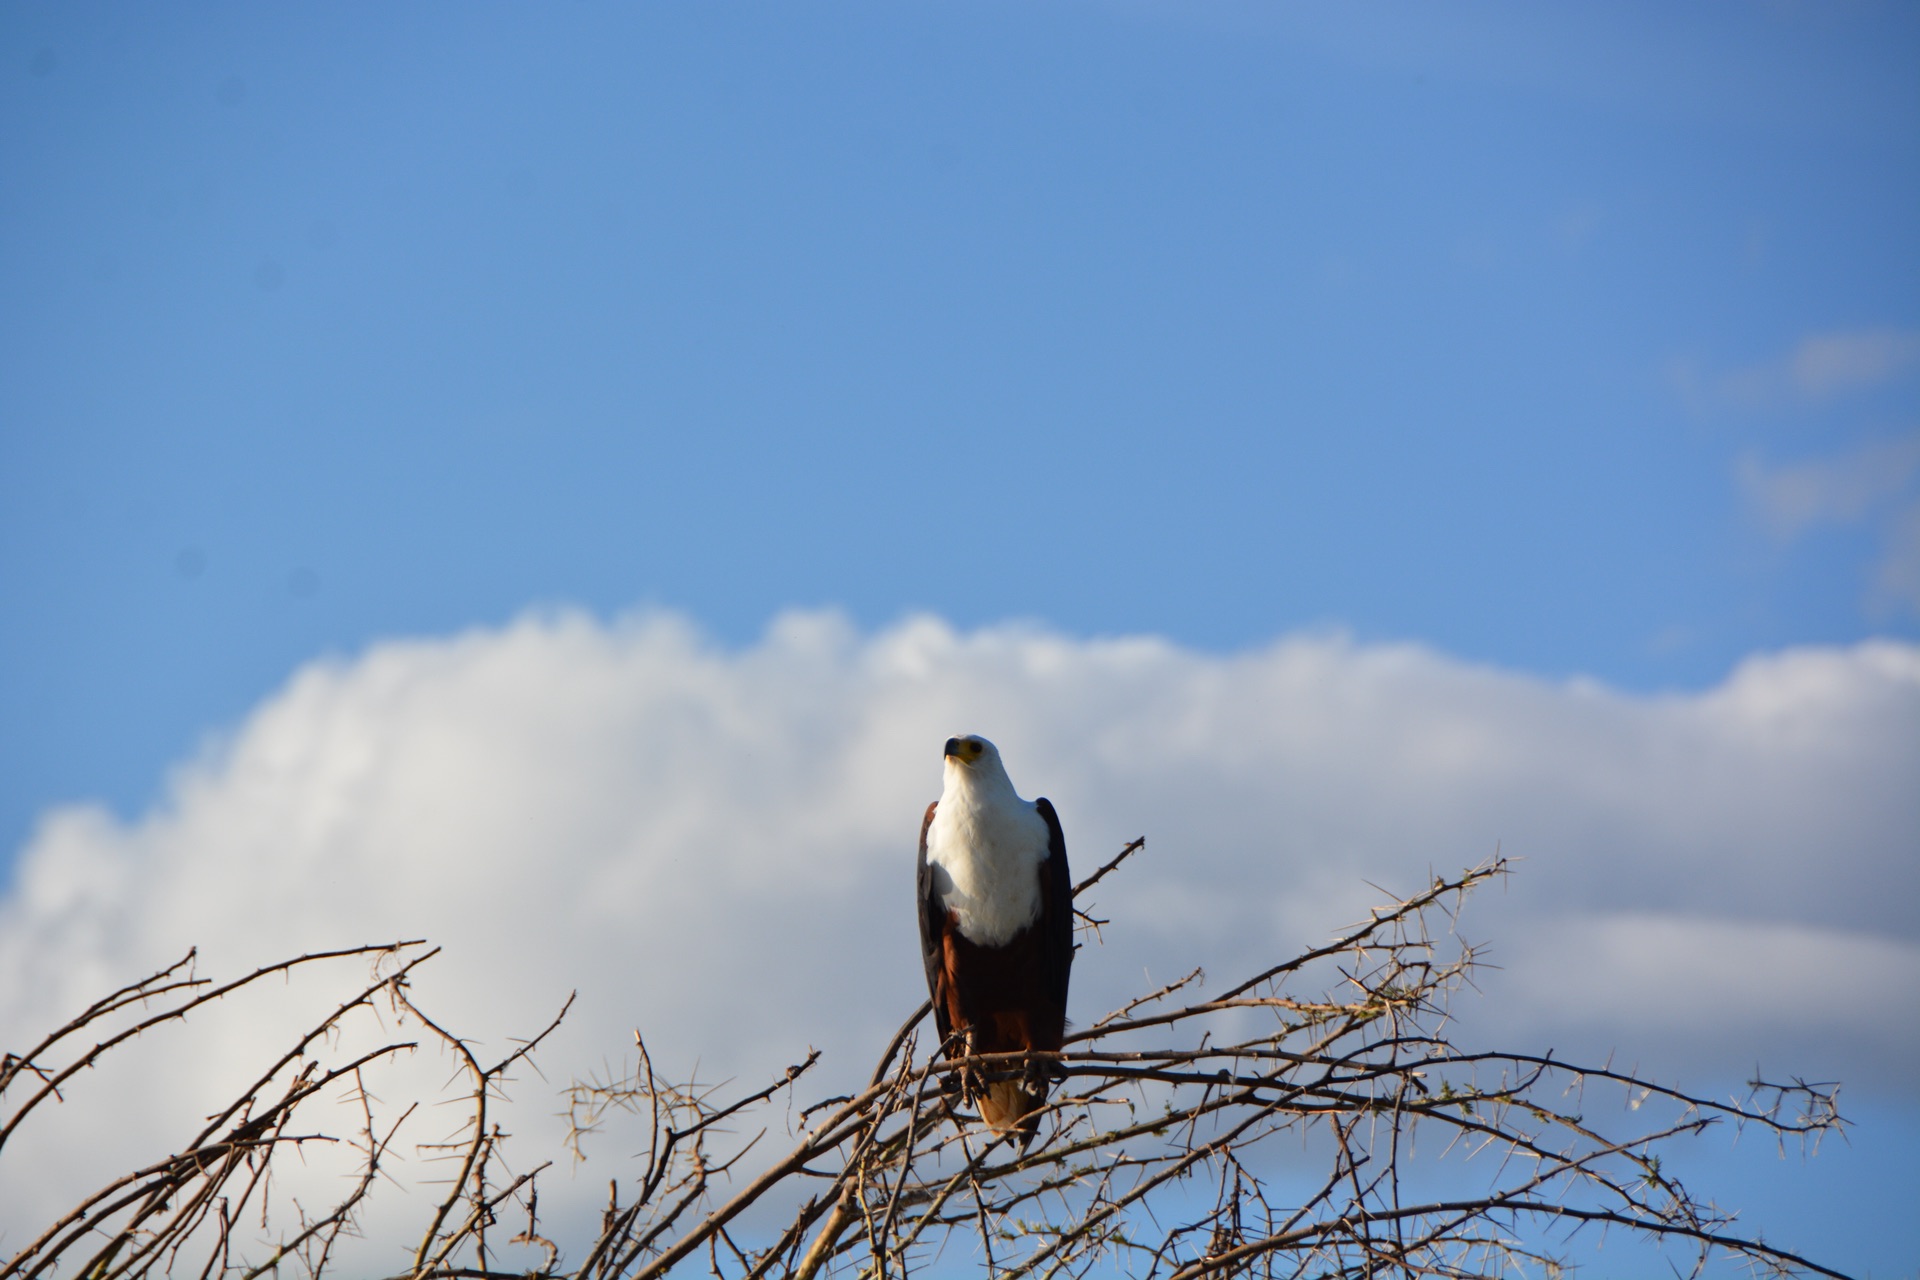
1162, 1139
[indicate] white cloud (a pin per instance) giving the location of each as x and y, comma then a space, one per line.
1874, 481
1831, 363
716, 845
1691, 975
1898, 579
1820, 367
1838, 490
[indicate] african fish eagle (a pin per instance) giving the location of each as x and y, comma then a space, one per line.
996, 924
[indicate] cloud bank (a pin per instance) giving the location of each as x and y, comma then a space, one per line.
716, 845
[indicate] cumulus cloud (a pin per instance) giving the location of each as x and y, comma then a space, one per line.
715, 845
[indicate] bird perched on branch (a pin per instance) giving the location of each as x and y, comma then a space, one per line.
996, 927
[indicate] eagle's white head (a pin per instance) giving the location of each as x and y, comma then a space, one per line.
973, 765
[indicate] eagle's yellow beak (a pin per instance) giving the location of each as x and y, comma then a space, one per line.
965, 750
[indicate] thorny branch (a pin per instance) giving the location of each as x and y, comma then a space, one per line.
1171, 1121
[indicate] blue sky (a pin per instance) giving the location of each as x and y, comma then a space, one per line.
1566, 341
326, 324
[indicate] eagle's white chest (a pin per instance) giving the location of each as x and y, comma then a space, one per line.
986, 851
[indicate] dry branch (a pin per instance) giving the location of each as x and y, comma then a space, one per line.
1169, 1121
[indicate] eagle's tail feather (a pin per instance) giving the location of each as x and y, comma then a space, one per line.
1010, 1104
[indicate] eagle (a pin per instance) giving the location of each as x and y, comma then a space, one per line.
996, 926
